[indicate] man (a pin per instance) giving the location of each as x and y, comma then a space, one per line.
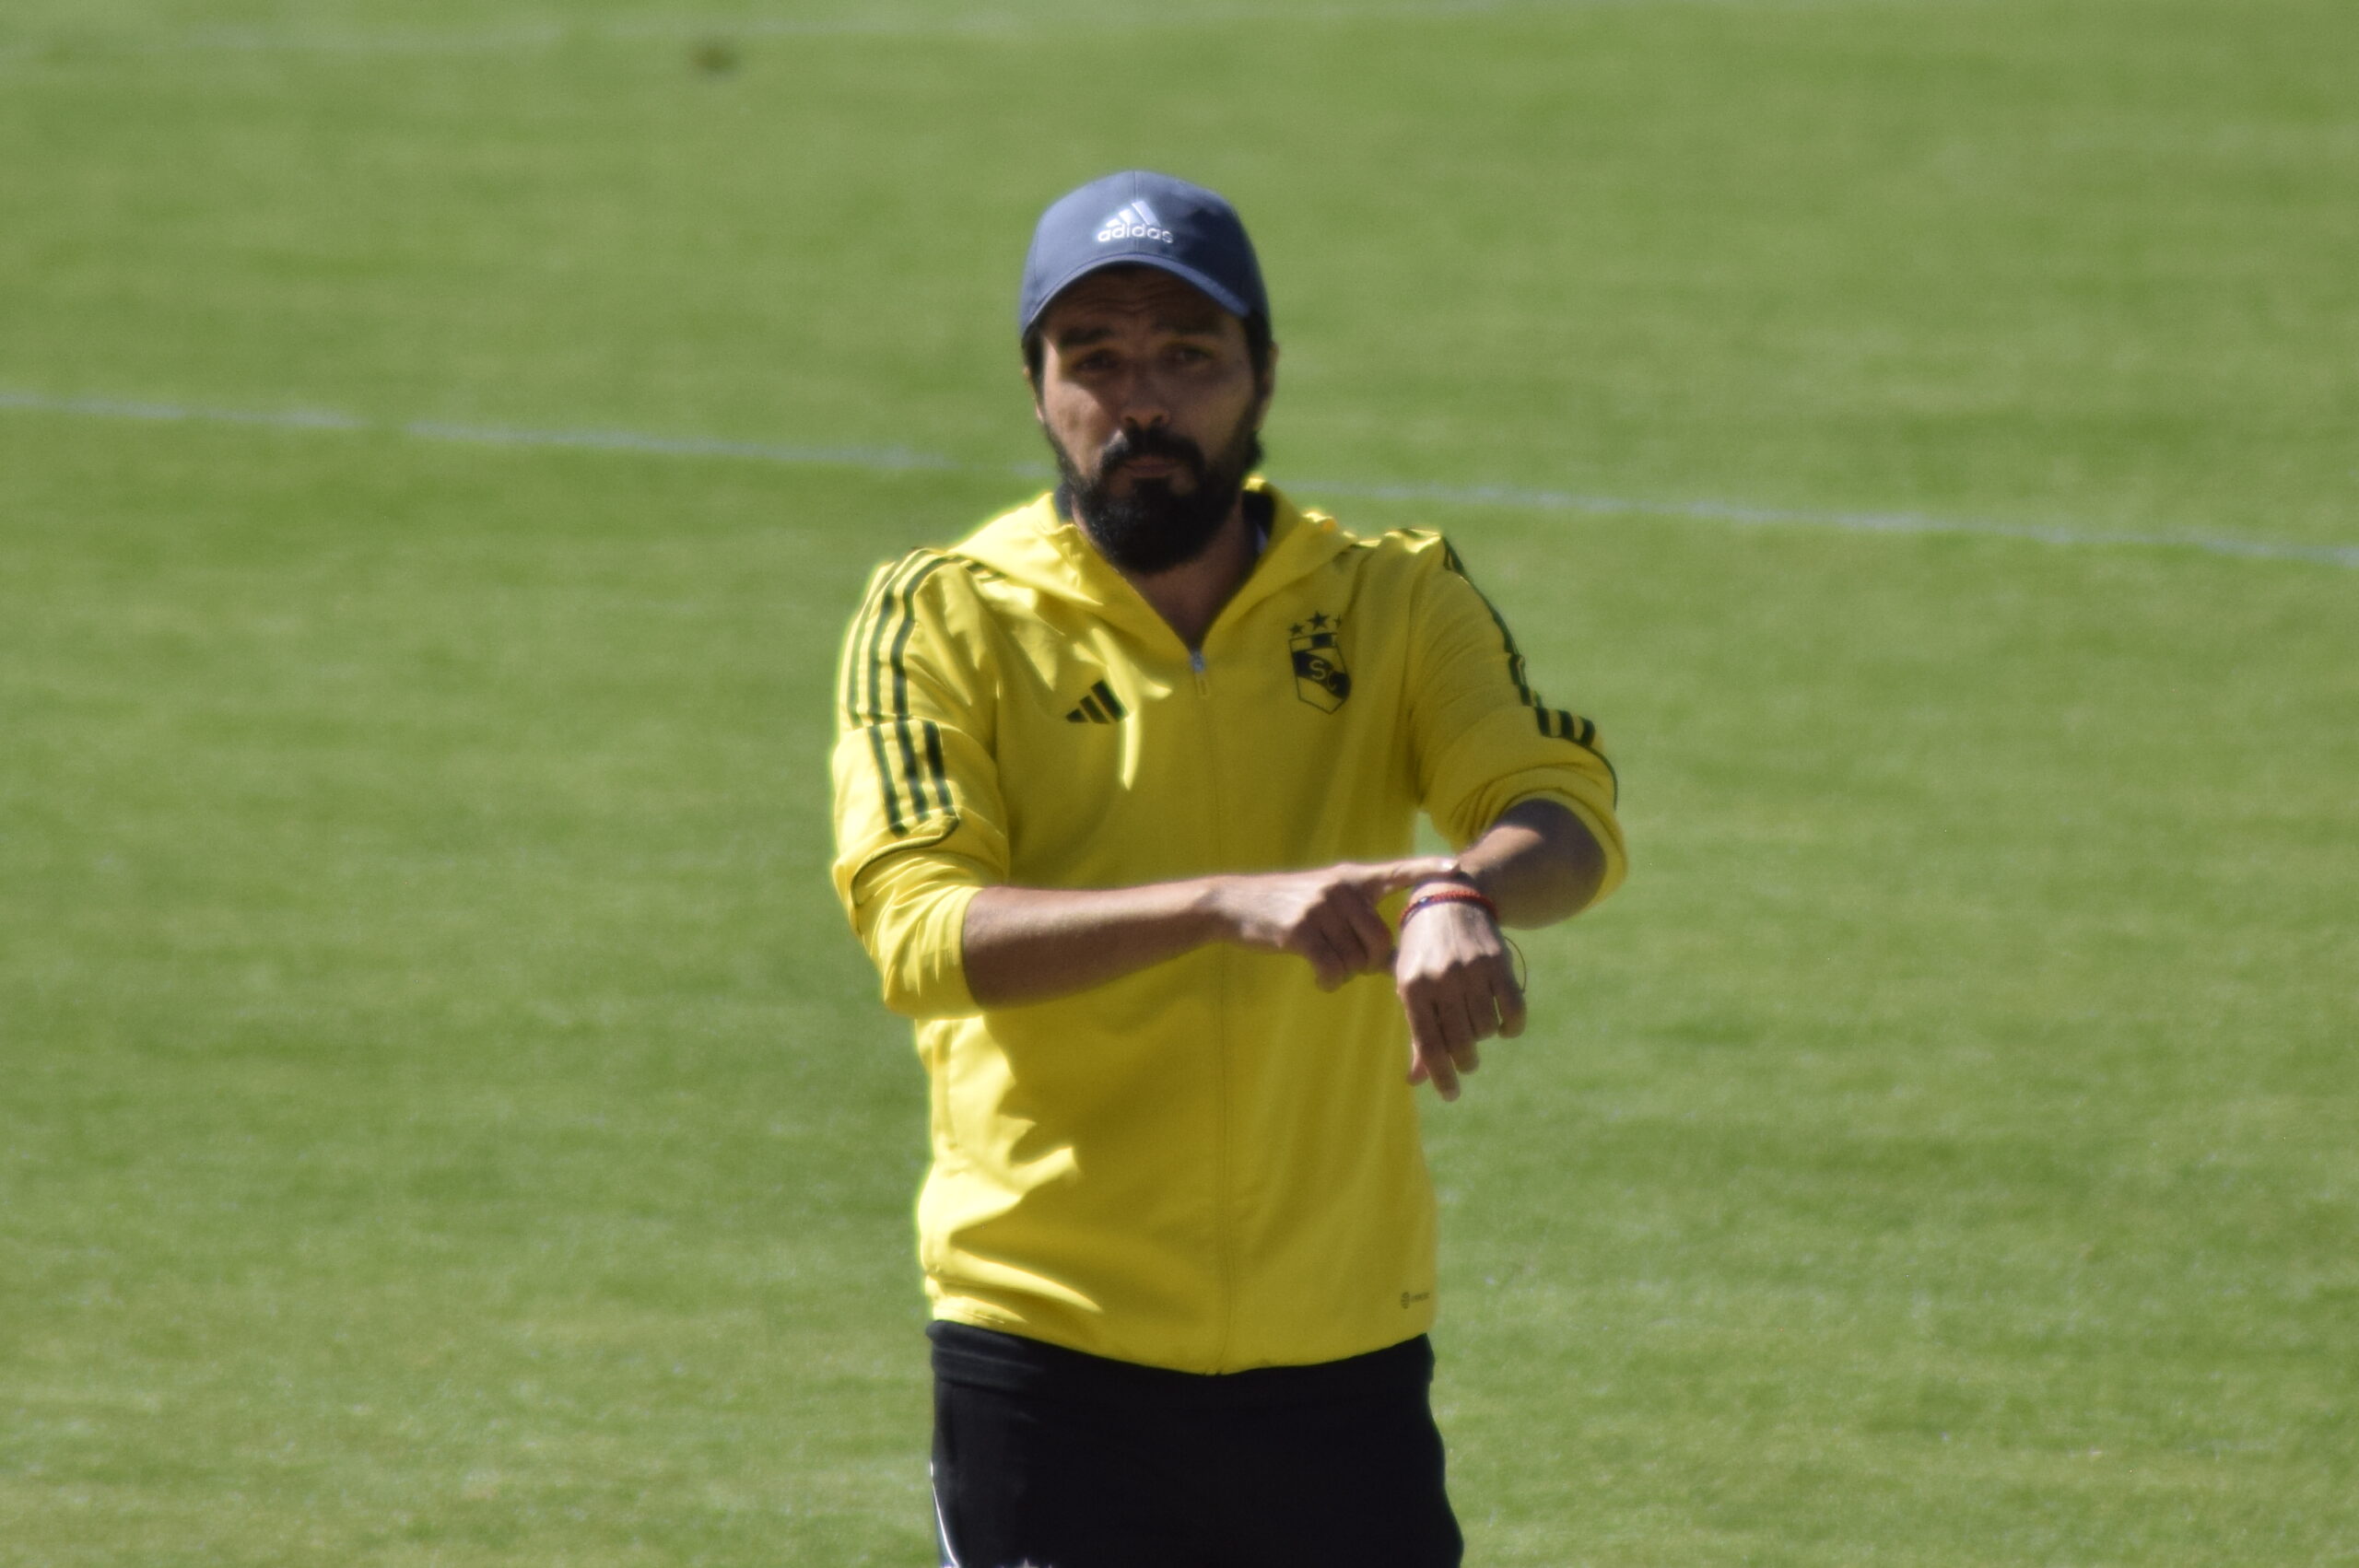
1126, 790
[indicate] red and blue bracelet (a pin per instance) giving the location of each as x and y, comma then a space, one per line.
1450, 893
1457, 893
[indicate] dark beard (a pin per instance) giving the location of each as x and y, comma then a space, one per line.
1154, 528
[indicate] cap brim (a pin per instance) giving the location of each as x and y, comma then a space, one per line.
1180, 270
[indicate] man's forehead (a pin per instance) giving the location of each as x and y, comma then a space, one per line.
1128, 294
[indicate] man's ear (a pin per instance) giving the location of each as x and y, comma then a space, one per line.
1032, 383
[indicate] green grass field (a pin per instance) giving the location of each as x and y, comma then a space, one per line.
442, 1116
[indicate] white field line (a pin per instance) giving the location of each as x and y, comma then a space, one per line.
1521, 499
901, 460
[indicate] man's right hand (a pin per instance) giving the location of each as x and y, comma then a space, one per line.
1026, 944
1327, 917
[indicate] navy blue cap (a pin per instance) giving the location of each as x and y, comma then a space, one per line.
1136, 219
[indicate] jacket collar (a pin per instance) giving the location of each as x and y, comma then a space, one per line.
1037, 546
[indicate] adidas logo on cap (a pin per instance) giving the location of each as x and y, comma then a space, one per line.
1136, 221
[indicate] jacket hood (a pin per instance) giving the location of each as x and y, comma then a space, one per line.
1036, 546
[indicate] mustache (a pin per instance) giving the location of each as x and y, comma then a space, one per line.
1129, 444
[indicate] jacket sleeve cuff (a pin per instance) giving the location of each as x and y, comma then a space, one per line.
919, 941
1602, 826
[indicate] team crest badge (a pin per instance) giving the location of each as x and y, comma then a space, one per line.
1319, 677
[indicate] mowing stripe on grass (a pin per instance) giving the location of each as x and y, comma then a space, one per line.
528, 35
543, 34
901, 460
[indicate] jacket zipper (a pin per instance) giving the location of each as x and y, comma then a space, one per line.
1224, 1243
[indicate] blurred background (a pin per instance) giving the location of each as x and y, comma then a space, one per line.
443, 1117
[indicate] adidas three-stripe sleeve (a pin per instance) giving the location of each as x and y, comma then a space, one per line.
914, 771
1485, 740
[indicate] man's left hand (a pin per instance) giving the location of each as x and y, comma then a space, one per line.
1457, 984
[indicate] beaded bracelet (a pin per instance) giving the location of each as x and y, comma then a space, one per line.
1457, 893
1449, 894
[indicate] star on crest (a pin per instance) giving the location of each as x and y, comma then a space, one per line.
1320, 621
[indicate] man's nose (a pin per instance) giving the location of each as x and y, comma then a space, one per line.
1142, 403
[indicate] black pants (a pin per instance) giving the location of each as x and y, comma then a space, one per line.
1048, 1457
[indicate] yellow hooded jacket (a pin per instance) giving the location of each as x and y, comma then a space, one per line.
1210, 1165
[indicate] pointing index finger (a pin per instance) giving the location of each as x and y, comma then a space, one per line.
1400, 874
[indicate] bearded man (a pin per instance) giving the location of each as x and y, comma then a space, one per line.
1126, 792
